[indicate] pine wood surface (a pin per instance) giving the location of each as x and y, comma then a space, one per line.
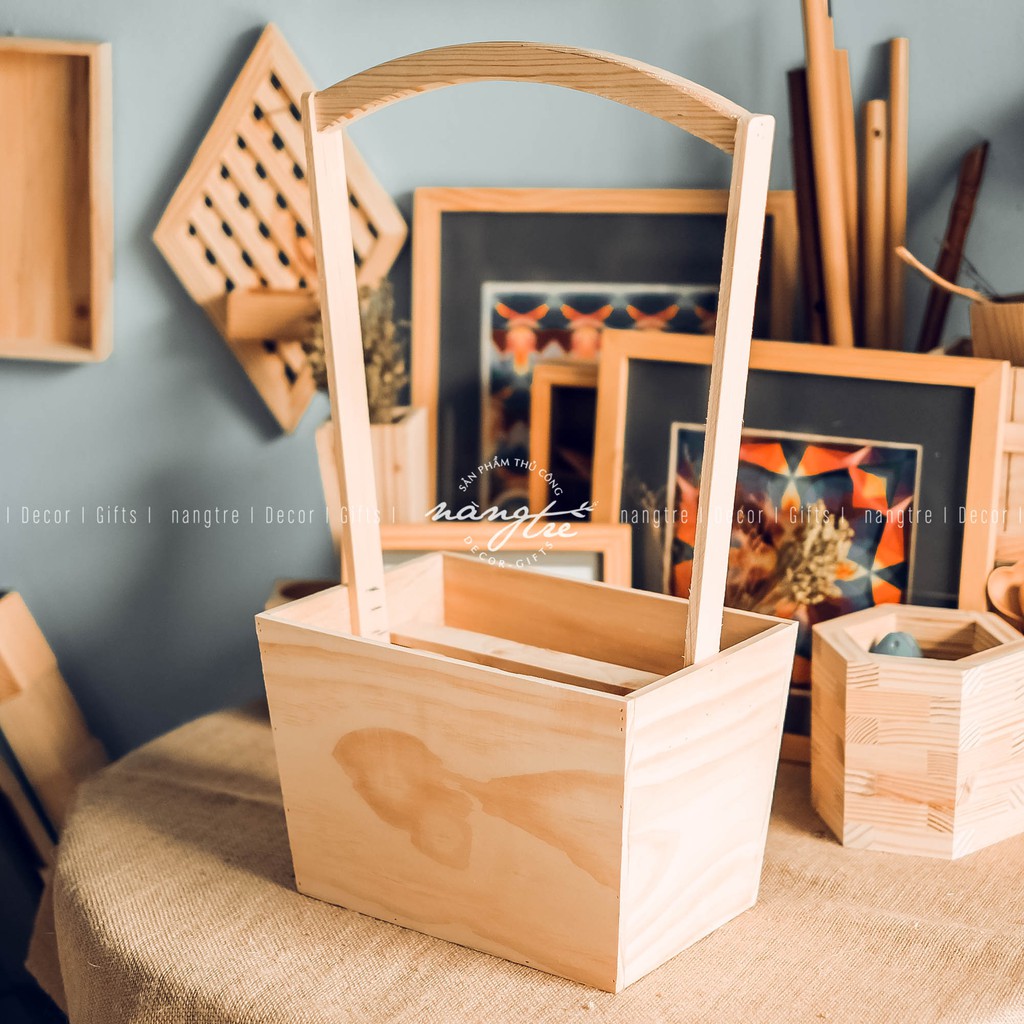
918, 756
56, 200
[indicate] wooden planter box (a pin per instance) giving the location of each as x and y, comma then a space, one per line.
525, 768
920, 756
400, 460
566, 774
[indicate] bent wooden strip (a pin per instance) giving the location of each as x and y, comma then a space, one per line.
651, 90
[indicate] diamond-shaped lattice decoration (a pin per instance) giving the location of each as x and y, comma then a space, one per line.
240, 220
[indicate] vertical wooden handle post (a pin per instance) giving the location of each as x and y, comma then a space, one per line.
343, 349
748, 195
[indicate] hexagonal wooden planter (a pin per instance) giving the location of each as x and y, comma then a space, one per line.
920, 756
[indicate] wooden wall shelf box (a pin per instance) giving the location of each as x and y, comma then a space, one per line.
564, 774
56, 200
919, 756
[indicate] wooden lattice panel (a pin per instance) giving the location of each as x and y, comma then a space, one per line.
240, 219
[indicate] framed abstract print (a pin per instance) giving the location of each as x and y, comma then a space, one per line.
866, 477
507, 279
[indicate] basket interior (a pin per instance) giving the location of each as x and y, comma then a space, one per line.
942, 636
521, 621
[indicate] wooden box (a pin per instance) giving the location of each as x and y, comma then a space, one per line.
56, 200
400, 460
565, 774
525, 767
920, 756
997, 331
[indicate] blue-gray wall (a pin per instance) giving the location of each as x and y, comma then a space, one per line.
153, 624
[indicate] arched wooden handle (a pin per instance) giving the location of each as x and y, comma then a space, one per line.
666, 96
669, 97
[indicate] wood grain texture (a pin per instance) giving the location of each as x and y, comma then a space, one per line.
730, 355
918, 756
399, 469
896, 221
547, 377
874, 229
997, 331
240, 221
38, 715
828, 169
848, 155
989, 380
695, 847
651, 90
811, 274
1010, 540
343, 353
519, 813
56, 200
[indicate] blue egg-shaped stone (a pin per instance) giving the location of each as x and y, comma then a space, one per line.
901, 645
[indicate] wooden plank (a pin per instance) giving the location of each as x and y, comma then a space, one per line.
807, 208
343, 349
743, 234
522, 659
38, 716
848, 153
896, 221
56, 200
828, 170
722, 727
651, 90
873, 273
255, 314
379, 781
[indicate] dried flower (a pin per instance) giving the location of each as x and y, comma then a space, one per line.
386, 374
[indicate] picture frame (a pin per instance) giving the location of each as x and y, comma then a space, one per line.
556, 384
464, 237
611, 543
953, 407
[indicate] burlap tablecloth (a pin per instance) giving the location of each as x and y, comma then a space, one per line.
173, 902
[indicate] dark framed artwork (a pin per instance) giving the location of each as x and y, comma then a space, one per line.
891, 416
577, 252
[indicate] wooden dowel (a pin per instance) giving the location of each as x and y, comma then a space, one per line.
951, 253
828, 172
873, 277
907, 257
848, 149
896, 221
806, 208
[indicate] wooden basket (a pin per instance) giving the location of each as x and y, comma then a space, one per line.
564, 774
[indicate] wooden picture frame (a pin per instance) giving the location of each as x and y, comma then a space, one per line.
549, 378
636, 257
56, 200
612, 542
979, 387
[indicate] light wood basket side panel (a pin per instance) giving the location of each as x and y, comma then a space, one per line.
387, 763
702, 756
